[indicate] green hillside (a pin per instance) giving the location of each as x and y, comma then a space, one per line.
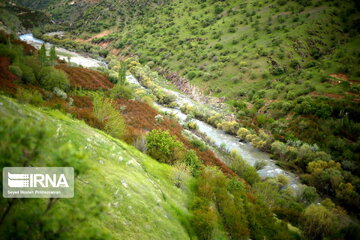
280, 75
120, 192
287, 68
16, 18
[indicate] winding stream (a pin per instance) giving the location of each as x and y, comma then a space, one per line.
219, 137
64, 54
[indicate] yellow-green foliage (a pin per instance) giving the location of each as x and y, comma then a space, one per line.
323, 220
51, 78
243, 169
228, 126
164, 147
105, 111
242, 133
214, 118
29, 96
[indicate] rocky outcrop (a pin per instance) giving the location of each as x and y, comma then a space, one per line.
186, 87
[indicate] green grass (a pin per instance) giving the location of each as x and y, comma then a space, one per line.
139, 198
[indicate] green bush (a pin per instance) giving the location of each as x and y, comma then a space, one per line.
15, 52
28, 75
51, 78
243, 169
277, 71
193, 162
191, 75
29, 96
164, 147
15, 69
34, 63
105, 111
121, 91
219, 46
199, 144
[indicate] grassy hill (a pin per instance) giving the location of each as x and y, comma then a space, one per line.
235, 46
289, 68
123, 193
16, 18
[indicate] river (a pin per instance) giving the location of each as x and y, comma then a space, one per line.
219, 137
64, 54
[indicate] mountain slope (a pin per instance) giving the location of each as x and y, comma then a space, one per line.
123, 193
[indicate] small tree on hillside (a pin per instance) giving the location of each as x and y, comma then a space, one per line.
53, 56
42, 55
122, 73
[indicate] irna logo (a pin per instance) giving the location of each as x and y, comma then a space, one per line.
38, 182
35, 180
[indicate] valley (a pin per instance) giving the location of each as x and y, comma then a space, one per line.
240, 118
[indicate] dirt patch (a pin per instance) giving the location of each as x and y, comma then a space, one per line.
329, 95
99, 35
355, 82
341, 76
115, 51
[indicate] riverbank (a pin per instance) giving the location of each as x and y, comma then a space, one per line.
217, 136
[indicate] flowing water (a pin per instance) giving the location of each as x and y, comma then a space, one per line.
219, 137
63, 53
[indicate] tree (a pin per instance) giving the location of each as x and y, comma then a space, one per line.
319, 222
164, 147
53, 56
243, 169
122, 73
51, 78
193, 162
105, 112
121, 91
42, 55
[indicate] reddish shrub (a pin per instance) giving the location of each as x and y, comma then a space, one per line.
86, 78
140, 118
7, 79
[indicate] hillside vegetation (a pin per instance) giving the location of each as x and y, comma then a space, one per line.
287, 69
179, 190
284, 77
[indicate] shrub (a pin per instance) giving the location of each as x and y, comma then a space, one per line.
60, 93
193, 162
204, 221
228, 126
219, 46
199, 144
164, 147
180, 174
105, 112
243, 169
242, 133
277, 71
308, 195
140, 143
294, 64
190, 125
29, 96
191, 75
15, 69
121, 91
260, 164
28, 75
51, 78
319, 222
